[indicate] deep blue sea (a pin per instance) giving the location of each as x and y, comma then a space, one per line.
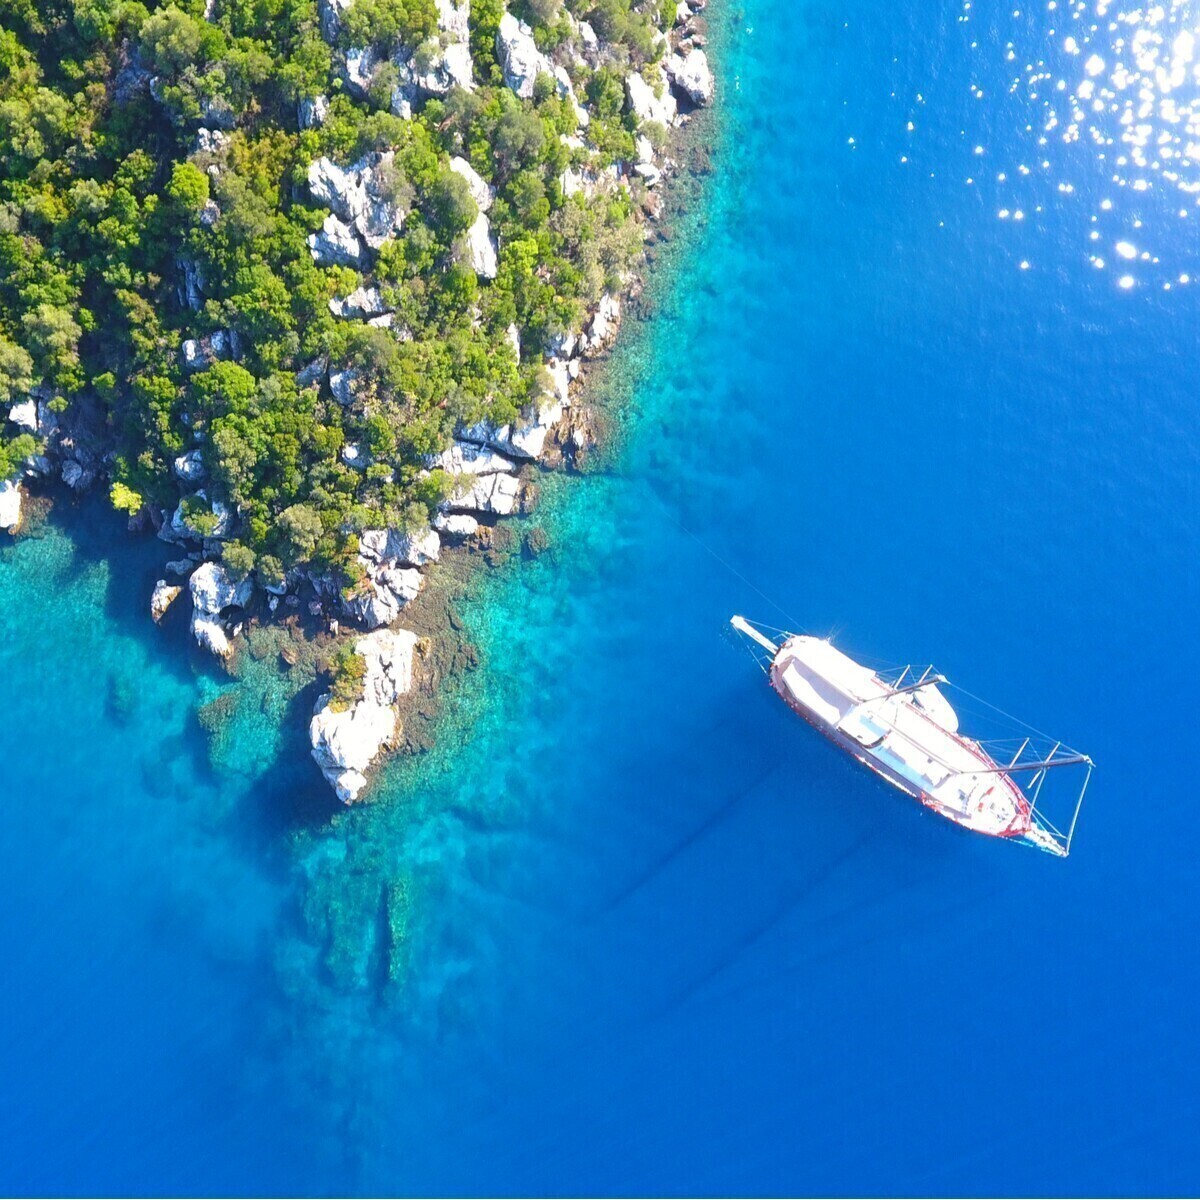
656, 936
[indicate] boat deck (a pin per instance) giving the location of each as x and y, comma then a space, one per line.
894, 734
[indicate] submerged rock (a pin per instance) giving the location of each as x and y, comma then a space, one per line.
164, 595
346, 743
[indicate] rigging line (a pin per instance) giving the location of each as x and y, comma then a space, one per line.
1007, 715
727, 565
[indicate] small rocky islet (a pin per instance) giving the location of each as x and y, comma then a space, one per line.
609, 80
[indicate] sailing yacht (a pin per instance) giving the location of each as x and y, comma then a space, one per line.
908, 734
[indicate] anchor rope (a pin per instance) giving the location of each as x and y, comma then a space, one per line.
731, 569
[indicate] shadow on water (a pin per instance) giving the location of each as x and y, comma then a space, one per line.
288, 794
744, 943
707, 826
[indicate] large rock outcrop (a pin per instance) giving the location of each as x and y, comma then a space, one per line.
346, 742
481, 191
648, 103
389, 560
520, 59
214, 593
364, 214
496, 494
691, 75
481, 247
10, 506
393, 546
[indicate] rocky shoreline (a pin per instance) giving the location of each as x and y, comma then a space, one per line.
385, 668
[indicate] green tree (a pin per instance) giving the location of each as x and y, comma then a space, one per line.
16, 371
300, 529
188, 187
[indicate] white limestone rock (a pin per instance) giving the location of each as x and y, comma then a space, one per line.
24, 414
312, 112
342, 385
178, 528
198, 353
76, 476
336, 244
341, 189
447, 67
530, 440
210, 141
362, 302
482, 248
312, 372
646, 105
213, 591
455, 527
602, 328
488, 493
467, 458
649, 172
513, 336
10, 506
438, 66
192, 354
454, 18
330, 14
394, 546
164, 595
346, 744
361, 64
356, 194
520, 59
691, 74
189, 467
481, 191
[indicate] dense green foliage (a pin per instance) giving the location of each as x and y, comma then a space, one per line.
108, 198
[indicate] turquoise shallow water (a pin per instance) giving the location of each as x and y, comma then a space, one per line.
629, 928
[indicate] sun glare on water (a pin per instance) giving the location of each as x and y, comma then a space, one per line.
1105, 99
